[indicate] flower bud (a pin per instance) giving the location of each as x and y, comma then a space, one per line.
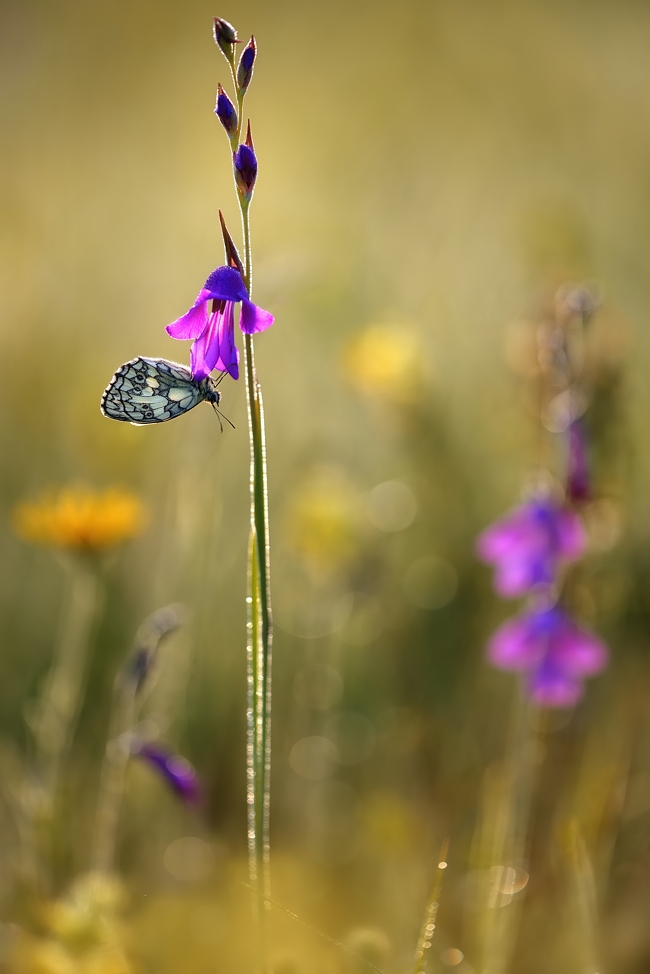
245, 164
226, 112
245, 66
225, 36
138, 668
578, 486
232, 255
176, 771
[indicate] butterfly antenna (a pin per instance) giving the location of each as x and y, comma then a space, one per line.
221, 416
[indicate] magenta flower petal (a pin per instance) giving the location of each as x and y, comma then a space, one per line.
500, 538
512, 646
225, 284
228, 357
580, 653
512, 578
204, 353
190, 325
528, 544
550, 688
254, 319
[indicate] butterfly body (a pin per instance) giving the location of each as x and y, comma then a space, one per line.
154, 390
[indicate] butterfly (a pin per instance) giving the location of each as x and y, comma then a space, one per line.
153, 390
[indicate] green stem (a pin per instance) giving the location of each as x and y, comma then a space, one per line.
111, 789
59, 705
259, 629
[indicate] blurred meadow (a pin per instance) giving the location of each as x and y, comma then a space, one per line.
430, 174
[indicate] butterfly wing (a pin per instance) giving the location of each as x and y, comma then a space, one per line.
150, 390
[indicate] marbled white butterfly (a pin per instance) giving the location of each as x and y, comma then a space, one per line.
153, 390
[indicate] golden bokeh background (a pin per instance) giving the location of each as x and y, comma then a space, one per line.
429, 175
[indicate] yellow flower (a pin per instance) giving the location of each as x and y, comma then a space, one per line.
385, 360
321, 524
80, 519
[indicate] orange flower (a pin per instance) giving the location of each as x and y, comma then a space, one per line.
81, 519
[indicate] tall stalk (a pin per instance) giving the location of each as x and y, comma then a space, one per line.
259, 626
259, 630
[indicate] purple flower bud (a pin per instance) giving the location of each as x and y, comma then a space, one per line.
578, 486
225, 36
177, 772
226, 112
232, 256
245, 163
245, 66
141, 664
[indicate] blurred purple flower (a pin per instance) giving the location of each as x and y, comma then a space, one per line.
553, 650
527, 545
213, 329
177, 772
578, 478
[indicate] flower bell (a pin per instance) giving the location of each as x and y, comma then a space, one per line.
210, 323
528, 544
554, 651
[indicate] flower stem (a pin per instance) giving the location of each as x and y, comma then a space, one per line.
58, 708
259, 625
111, 789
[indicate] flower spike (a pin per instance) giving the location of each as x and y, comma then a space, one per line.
245, 66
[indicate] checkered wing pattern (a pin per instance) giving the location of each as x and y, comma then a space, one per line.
151, 390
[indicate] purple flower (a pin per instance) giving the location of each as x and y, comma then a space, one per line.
553, 650
527, 545
578, 478
177, 772
210, 323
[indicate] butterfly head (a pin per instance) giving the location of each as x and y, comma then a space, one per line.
212, 394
